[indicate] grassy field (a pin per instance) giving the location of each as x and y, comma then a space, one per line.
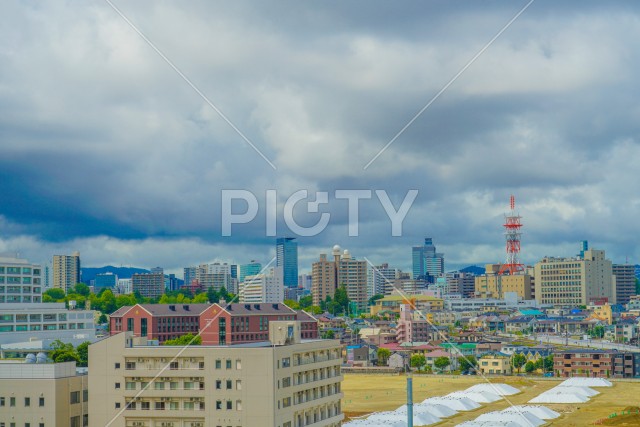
364, 394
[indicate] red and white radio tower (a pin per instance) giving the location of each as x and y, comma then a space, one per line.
512, 233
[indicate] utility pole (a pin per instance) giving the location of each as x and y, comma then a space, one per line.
409, 398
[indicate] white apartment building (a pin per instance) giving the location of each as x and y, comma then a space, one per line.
20, 281
264, 287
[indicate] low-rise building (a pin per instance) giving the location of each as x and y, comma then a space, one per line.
495, 363
20, 281
42, 394
392, 303
285, 382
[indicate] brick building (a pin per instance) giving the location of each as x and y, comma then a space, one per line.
594, 363
216, 324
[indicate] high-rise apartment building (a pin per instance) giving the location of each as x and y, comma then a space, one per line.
265, 287
380, 279
149, 285
427, 263
461, 283
20, 281
625, 279
284, 381
189, 274
345, 270
214, 275
35, 393
575, 281
66, 271
323, 279
304, 282
287, 258
250, 269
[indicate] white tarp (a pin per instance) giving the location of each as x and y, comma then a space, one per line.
550, 397
585, 391
477, 396
524, 419
539, 411
440, 411
587, 382
499, 388
459, 403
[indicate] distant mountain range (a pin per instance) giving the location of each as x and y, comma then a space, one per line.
473, 269
89, 273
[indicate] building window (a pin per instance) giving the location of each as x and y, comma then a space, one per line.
145, 406
173, 366
200, 365
41, 401
75, 398
222, 331
218, 404
85, 395
27, 402
75, 421
228, 364
238, 405
12, 401
159, 406
117, 366
218, 384
229, 384
218, 364
229, 404
143, 327
130, 324
130, 365
117, 385
238, 385
1, 402
130, 385
117, 405
286, 362
238, 364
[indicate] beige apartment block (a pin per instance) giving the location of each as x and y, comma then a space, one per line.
42, 395
284, 382
575, 281
493, 285
66, 271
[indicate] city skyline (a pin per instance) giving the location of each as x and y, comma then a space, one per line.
113, 155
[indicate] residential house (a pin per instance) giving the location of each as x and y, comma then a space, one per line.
495, 363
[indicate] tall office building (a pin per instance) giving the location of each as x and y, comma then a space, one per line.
283, 381
287, 258
250, 269
304, 282
265, 287
214, 275
20, 281
575, 281
66, 271
189, 274
461, 283
625, 282
427, 263
106, 280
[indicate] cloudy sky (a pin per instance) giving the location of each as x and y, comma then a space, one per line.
106, 149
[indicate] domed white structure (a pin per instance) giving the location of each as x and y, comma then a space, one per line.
31, 358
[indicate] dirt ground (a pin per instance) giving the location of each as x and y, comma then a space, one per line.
364, 394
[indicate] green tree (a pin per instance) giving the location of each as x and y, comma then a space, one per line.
306, 301
292, 304
538, 364
63, 352
547, 363
329, 335
82, 289
441, 363
200, 298
518, 360
467, 362
125, 300
56, 294
383, 356
103, 319
108, 302
529, 367
83, 354
188, 339
373, 299
418, 361
314, 309
212, 295
223, 294
342, 299
637, 286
